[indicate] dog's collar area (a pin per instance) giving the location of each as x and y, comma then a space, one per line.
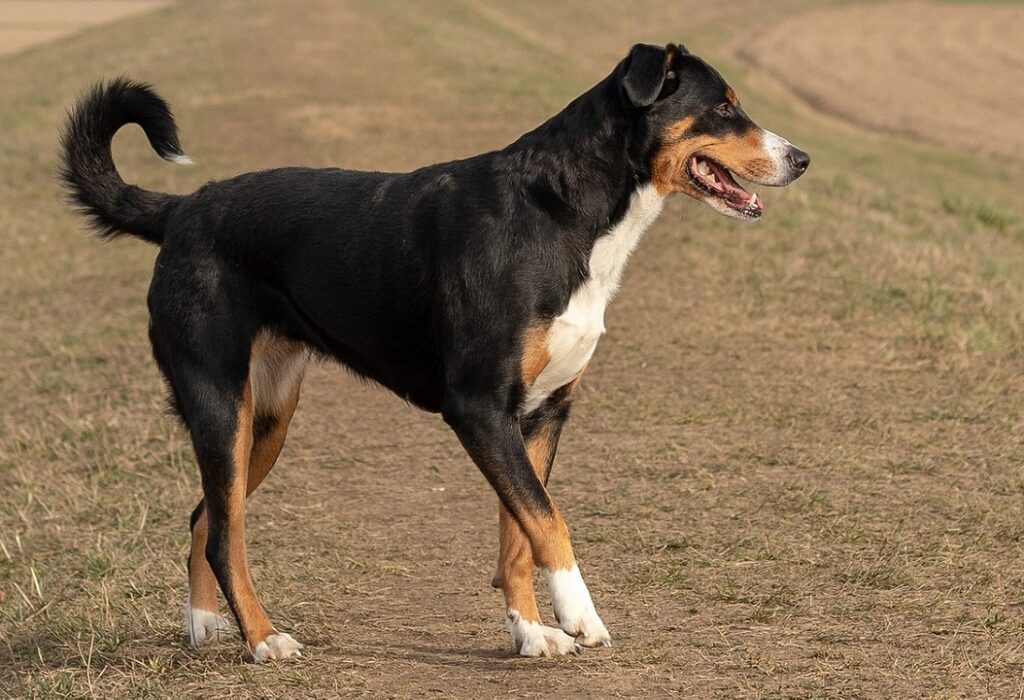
715, 180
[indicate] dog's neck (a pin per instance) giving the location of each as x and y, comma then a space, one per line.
578, 165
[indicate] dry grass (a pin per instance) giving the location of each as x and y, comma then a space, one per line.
794, 470
25, 23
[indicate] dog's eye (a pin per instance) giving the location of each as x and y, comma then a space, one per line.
724, 110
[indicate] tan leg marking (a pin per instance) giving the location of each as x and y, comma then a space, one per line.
549, 540
515, 570
515, 555
252, 618
267, 449
202, 584
273, 363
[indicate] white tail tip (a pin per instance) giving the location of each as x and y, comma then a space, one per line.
181, 159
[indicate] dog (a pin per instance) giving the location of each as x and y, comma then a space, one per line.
475, 289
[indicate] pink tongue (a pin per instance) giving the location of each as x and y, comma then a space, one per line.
729, 186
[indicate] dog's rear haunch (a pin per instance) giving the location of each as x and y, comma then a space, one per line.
475, 289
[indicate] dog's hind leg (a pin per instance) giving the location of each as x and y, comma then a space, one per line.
223, 438
514, 575
275, 370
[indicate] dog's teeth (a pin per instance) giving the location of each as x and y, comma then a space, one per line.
702, 168
752, 202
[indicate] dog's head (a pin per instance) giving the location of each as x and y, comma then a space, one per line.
692, 135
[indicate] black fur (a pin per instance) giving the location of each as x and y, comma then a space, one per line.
88, 168
645, 74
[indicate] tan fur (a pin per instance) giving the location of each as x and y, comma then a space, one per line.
515, 555
202, 584
549, 540
515, 568
744, 156
670, 59
276, 366
534, 353
667, 168
677, 131
252, 618
266, 450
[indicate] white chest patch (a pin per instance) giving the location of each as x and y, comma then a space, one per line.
573, 335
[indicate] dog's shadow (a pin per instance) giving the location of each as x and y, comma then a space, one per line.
22, 657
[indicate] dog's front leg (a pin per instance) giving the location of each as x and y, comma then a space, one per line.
492, 437
514, 575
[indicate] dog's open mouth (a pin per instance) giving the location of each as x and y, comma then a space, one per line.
715, 180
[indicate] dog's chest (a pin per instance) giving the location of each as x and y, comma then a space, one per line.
573, 335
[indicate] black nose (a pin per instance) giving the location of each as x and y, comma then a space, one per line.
798, 160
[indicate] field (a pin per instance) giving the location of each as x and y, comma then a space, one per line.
794, 469
25, 23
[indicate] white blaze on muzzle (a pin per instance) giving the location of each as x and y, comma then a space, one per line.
778, 149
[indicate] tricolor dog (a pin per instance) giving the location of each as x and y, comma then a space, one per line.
475, 289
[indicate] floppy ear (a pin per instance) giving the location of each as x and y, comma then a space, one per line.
649, 74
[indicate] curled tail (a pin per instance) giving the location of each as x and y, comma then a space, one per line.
87, 165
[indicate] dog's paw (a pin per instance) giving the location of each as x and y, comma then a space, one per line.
277, 646
202, 626
574, 608
559, 643
534, 639
588, 631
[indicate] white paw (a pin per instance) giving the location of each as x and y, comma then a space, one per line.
574, 608
559, 643
589, 631
534, 639
204, 626
277, 646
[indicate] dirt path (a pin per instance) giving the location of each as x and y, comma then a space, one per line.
946, 72
25, 23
